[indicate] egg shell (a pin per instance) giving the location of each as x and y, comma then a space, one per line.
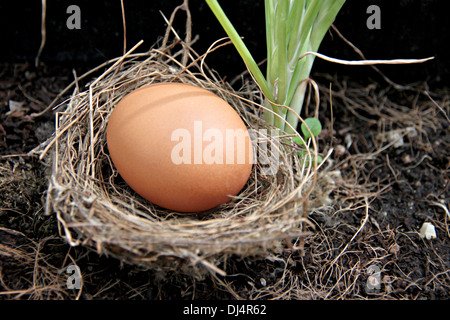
180, 146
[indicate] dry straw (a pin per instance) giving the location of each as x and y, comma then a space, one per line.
95, 208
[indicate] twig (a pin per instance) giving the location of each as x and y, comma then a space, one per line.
364, 62
188, 37
28, 96
119, 61
124, 28
43, 32
359, 52
366, 217
437, 105
6, 156
442, 206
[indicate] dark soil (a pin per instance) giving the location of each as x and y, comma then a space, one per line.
403, 186
409, 182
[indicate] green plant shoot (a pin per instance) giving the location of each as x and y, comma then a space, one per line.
293, 27
311, 128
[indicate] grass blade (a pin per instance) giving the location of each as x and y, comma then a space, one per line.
241, 47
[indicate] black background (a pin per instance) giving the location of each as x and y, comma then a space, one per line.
409, 29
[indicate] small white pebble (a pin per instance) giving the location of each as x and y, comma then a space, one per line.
396, 138
339, 150
427, 231
263, 282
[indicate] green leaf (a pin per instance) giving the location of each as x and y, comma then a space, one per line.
304, 155
314, 125
297, 140
241, 48
319, 160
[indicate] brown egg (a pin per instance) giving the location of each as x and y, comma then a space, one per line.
180, 146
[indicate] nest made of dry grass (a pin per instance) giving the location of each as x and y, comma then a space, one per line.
97, 209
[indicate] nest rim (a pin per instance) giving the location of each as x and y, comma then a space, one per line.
90, 212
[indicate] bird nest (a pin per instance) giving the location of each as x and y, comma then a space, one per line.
95, 207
